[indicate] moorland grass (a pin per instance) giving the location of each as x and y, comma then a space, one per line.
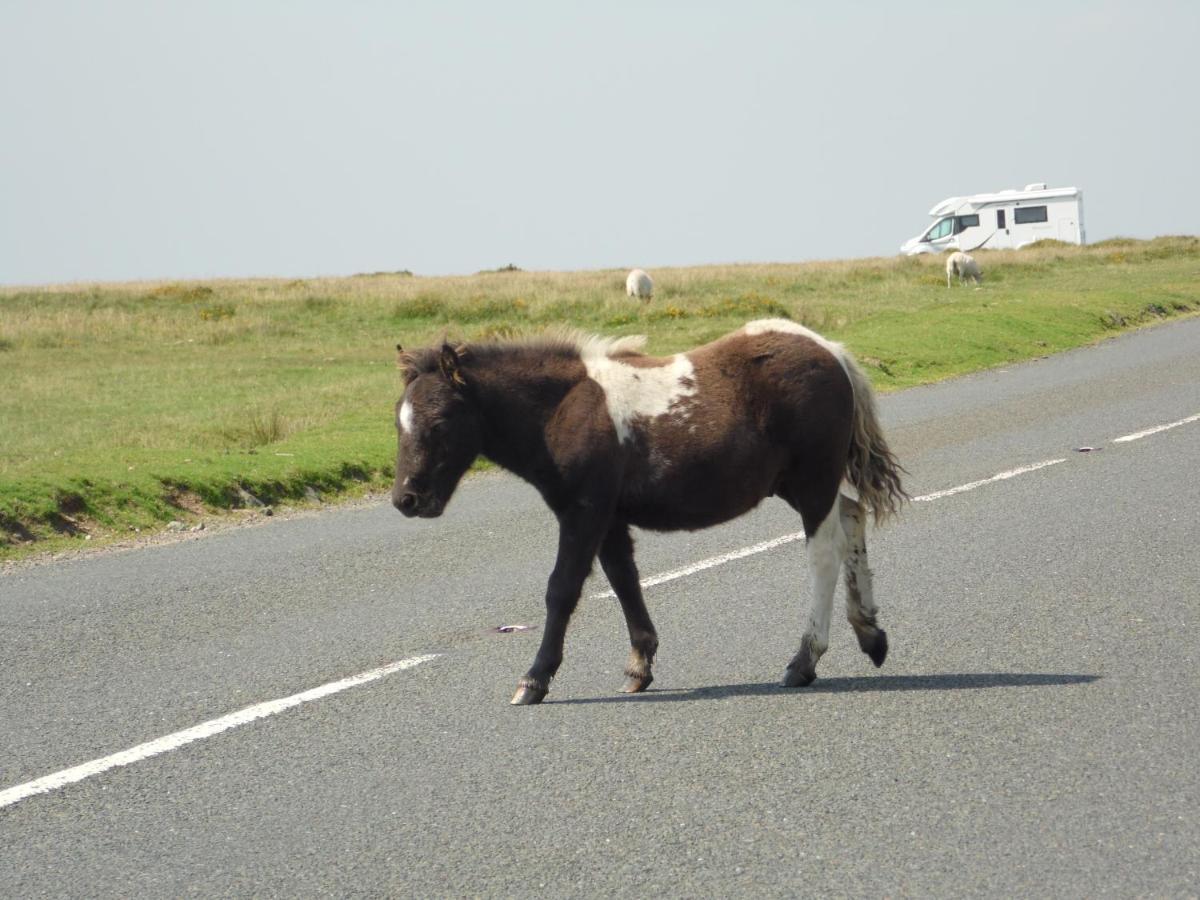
124, 406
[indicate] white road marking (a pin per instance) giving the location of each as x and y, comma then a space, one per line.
270, 707
1138, 435
711, 562
714, 561
1000, 476
207, 729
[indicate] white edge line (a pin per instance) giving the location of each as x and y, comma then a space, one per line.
197, 732
1138, 435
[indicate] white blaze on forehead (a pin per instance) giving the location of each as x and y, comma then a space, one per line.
406, 416
633, 391
786, 326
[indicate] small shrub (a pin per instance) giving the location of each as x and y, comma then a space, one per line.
1115, 243
669, 312
189, 292
1047, 244
483, 308
422, 306
499, 333
217, 313
261, 427
620, 320
749, 305
6, 344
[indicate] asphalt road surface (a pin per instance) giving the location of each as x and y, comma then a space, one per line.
1034, 732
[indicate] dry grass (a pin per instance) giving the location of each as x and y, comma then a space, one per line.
128, 394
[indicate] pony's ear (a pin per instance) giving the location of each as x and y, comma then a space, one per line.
450, 362
406, 363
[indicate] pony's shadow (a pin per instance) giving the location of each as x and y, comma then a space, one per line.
860, 685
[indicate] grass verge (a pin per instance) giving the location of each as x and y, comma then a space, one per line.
126, 406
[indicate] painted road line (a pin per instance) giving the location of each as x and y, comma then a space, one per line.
1138, 435
271, 707
714, 561
711, 562
1000, 476
198, 732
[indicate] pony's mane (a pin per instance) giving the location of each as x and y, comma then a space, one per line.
554, 340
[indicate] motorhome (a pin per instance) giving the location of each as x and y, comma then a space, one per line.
1004, 220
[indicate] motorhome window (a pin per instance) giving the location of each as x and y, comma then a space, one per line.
1000, 218
940, 230
1023, 215
963, 222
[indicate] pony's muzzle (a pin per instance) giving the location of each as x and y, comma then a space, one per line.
408, 503
413, 504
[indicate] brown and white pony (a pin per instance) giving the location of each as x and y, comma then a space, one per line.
613, 438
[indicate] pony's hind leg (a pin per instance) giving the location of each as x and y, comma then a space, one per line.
826, 550
860, 594
616, 558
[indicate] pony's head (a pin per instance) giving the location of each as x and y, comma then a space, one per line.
440, 432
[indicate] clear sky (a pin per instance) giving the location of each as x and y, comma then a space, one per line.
205, 139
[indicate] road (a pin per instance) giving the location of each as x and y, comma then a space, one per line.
1034, 731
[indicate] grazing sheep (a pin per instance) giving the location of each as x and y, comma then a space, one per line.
963, 266
638, 284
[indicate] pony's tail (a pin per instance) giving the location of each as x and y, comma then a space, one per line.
870, 466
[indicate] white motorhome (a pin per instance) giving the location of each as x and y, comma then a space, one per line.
1004, 220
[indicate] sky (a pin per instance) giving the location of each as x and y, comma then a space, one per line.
179, 140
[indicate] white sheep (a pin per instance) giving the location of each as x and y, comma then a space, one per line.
963, 266
639, 284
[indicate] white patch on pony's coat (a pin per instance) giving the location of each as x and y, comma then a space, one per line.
785, 326
406, 416
633, 391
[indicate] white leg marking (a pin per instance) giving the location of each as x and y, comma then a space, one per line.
826, 550
860, 598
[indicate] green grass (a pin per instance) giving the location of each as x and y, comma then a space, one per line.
123, 406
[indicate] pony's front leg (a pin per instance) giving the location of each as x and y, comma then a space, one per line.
578, 539
616, 558
826, 550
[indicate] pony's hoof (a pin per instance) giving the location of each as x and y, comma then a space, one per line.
528, 695
635, 684
795, 677
802, 670
878, 648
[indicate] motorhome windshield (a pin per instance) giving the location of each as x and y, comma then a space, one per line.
939, 230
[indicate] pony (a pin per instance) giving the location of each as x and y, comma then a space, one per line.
639, 284
964, 266
613, 438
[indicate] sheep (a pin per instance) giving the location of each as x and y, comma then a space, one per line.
963, 266
639, 284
